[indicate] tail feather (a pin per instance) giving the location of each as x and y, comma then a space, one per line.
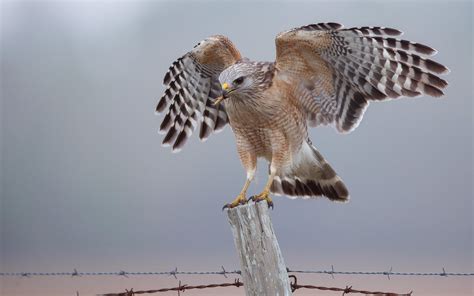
310, 176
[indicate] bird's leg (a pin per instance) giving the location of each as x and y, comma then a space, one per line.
249, 161
265, 194
280, 156
241, 198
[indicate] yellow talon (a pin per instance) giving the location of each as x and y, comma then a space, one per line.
265, 195
239, 200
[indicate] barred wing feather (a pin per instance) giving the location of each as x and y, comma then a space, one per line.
191, 86
341, 70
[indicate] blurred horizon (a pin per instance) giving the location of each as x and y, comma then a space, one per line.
85, 182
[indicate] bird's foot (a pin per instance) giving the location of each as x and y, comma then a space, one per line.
265, 195
239, 200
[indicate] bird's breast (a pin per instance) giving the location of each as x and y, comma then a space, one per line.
260, 128
252, 111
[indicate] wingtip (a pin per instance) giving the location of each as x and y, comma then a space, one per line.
446, 71
175, 150
391, 31
343, 201
425, 49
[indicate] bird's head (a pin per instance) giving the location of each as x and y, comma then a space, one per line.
241, 80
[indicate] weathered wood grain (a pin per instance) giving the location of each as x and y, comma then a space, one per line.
262, 265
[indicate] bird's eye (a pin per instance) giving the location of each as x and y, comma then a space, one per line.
239, 80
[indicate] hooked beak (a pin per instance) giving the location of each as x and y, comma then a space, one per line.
225, 94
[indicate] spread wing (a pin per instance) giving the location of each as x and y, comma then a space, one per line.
338, 71
191, 86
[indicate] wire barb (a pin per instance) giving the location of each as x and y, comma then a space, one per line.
75, 273
123, 273
347, 290
223, 271
174, 272
181, 288
388, 273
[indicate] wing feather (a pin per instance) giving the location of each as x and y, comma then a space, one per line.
340, 70
191, 86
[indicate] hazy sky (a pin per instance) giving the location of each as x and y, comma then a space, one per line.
85, 183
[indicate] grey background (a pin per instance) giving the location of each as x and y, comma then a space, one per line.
85, 183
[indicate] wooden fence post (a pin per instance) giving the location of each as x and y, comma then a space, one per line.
262, 265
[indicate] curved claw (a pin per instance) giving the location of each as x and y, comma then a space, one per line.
252, 198
270, 204
265, 195
240, 200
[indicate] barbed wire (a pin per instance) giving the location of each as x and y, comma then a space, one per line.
224, 273
173, 273
181, 288
294, 285
347, 290
387, 273
237, 283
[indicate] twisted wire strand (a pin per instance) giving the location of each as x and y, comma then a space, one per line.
224, 272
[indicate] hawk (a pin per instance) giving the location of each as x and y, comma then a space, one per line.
323, 74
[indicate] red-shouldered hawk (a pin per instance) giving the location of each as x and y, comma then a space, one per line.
323, 74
